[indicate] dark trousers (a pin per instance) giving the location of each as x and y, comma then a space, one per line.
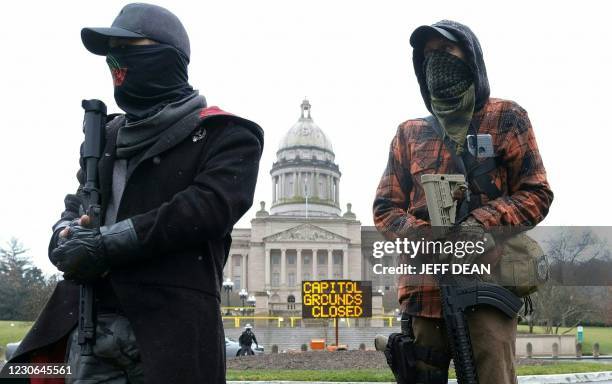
245, 350
493, 342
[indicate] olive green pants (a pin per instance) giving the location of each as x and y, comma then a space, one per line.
115, 359
493, 343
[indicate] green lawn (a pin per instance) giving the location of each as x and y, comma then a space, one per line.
385, 374
9, 334
602, 335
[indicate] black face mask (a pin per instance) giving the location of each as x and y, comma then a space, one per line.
446, 74
147, 77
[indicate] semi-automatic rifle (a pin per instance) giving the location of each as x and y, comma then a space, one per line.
459, 293
94, 129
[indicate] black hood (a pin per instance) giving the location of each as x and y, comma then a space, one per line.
473, 54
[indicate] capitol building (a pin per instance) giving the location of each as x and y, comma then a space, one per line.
305, 234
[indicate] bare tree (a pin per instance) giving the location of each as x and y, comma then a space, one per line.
577, 258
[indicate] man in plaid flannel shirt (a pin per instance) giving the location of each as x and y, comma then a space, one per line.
449, 66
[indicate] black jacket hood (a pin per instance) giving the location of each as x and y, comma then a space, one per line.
473, 53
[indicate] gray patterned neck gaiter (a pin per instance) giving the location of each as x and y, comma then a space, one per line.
450, 82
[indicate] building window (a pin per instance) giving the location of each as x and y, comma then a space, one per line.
337, 259
291, 279
306, 276
275, 279
237, 260
306, 259
236, 283
291, 259
321, 259
275, 259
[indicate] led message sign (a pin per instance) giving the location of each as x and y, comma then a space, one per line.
336, 299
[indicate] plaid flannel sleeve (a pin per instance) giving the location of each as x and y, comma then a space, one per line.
391, 215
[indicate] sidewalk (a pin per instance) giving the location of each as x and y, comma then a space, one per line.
568, 378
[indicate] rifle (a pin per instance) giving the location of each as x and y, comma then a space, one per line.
93, 127
459, 293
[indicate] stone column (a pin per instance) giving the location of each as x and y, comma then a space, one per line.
282, 186
345, 266
330, 264
230, 266
298, 268
312, 188
243, 272
329, 187
336, 190
296, 191
316, 192
267, 269
274, 190
283, 279
314, 264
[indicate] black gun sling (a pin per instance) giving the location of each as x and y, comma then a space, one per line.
475, 172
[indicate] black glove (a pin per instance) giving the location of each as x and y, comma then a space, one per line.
56, 239
90, 253
82, 257
473, 231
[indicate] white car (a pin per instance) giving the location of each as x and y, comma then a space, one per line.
232, 347
10, 350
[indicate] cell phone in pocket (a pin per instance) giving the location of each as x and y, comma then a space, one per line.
480, 145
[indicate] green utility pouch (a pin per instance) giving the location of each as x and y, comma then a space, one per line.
523, 266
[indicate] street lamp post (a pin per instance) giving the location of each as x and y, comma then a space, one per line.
243, 295
251, 301
382, 293
228, 285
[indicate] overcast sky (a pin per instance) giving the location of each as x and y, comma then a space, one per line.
352, 60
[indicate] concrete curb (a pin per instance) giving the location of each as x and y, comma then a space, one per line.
587, 377
567, 378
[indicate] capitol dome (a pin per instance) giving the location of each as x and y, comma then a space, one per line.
305, 177
305, 133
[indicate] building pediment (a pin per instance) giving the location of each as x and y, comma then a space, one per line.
306, 232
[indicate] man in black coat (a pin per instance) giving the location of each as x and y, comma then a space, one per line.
175, 176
